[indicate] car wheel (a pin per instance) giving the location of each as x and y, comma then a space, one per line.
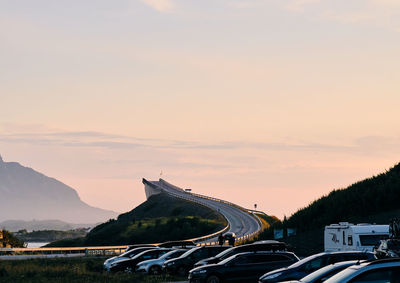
128, 270
213, 279
182, 271
155, 270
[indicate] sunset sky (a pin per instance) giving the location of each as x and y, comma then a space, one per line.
274, 102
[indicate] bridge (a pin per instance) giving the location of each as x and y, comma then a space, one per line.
241, 221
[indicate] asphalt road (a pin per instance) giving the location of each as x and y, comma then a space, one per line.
241, 222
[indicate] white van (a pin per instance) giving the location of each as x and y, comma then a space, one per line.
350, 237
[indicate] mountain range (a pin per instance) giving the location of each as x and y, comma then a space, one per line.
26, 194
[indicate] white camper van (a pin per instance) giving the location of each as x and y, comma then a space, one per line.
350, 237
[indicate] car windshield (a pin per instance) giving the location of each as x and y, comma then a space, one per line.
168, 254
227, 260
148, 252
303, 261
225, 253
189, 252
329, 270
126, 254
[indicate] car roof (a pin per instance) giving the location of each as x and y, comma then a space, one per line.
262, 252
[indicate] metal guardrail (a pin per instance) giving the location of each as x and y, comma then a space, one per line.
107, 250
237, 240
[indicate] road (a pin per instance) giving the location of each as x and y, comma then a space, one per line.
241, 222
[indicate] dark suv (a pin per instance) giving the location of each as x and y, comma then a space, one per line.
242, 267
269, 245
185, 262
309, 264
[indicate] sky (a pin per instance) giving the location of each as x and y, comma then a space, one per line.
267, 102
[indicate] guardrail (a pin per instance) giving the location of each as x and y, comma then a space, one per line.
107, 250
237, 240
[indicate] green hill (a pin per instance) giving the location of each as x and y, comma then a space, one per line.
160, 218
373, 200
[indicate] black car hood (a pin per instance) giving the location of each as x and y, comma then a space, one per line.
206, 267
274, 271
206, 260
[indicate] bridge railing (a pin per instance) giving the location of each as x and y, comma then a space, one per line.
206, 237
105, 251
239, 240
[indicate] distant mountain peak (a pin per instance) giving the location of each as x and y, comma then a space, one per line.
26, 194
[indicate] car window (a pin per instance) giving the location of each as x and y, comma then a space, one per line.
198, 254
242, 260
260, 258
315, 264
334, 258
147, 256
278, 257
371, 240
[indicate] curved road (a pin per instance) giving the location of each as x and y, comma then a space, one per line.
241, 222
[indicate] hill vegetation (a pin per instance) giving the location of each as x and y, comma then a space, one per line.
160, 218
8, 240
40, 225
373, 200
49, 235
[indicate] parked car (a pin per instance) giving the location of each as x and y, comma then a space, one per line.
131, 247
180, 244
312, 263
126, 255
381, 270
185, 262
154, 266
242, 267
269, 245
129, 265
324, 273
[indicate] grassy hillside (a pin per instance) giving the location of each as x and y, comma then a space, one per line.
160, 218
373, 200
69, 270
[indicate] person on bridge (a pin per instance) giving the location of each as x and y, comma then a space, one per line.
220, 239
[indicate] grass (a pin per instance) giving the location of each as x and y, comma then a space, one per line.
85, 269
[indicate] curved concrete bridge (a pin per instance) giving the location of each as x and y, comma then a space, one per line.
241, 221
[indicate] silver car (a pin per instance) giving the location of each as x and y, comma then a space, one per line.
380, 271
154, 266
125, 255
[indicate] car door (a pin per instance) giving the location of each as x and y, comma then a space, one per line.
237, 269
